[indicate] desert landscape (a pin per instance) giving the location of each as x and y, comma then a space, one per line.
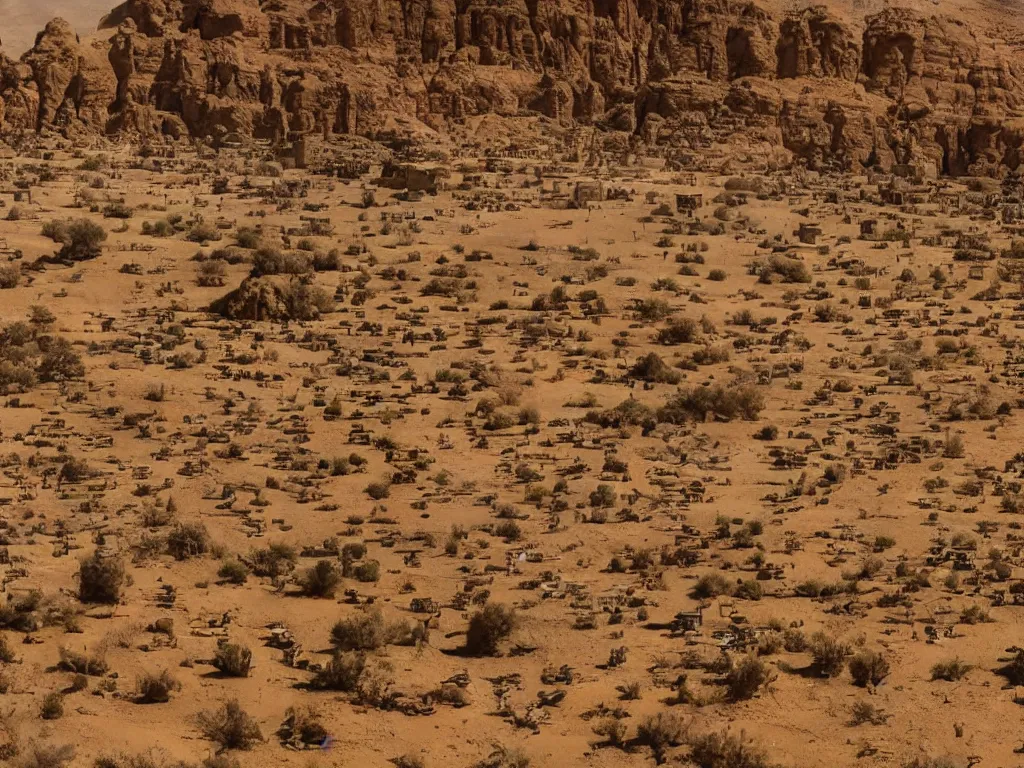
509, 385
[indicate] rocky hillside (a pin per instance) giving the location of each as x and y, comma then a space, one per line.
896, 86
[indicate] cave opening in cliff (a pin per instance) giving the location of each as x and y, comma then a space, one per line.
739, 54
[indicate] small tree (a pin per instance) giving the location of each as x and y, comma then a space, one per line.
81, 240
60, 362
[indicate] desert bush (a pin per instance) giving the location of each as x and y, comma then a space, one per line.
232, 660
652, 368
711, 585
271, 261
273, 561
233, 572
748, 677
156, 689
100, 579
80, 239
187, 540
342, 672
679, 330
378, 490
727, 402
247, 237
786, 269
603, 496
82, 663
360, 632
39, 755
653, 310
59, 361
488, 627
302, 726
211, 273
10, 276
868, 667
367, 573
230, 726
613, 730
7, 655
322, 580
951, 670
505, 757
203, 232
508, 530
866, 712
117, 211
748, 589
727, 750
660, 732
975, 614
52, 707
828, 653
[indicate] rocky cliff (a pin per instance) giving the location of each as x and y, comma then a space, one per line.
897, 86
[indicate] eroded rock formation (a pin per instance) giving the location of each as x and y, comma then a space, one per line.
903, 87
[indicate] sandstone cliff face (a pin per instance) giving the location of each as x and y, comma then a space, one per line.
908, 87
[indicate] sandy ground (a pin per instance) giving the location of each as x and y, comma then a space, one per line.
827, 386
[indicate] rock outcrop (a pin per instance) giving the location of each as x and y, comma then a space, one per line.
896, 87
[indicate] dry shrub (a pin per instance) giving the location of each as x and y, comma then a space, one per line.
661, 732
829, 653
868, 667
302, 725
233, 660
343, 672
505, 757
744, 401
322, 580
100, 579
230, 726
951, 670
188, 540
488, 627
727, 750
748, 677
156, 689
82, 663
